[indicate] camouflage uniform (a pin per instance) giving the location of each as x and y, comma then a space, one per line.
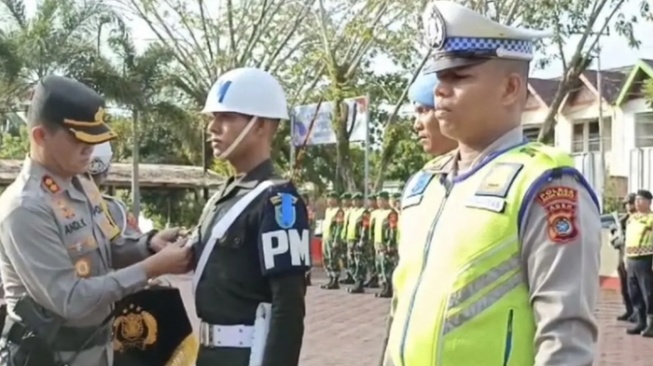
331, 230
345, 204
385, 243
368, 255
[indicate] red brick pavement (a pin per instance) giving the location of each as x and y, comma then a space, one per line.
347, 330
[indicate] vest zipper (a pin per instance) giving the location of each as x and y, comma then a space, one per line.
427, 249
508, 348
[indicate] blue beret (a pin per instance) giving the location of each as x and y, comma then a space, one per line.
421, 92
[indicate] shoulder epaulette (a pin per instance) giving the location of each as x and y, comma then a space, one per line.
439, 162
50, 185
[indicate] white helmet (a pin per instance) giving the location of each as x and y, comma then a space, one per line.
101, 158
249, 91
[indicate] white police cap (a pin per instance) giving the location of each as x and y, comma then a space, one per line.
100, 158
461, 37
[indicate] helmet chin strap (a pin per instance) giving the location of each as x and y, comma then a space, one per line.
238, 139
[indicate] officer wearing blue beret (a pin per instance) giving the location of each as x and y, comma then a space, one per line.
503, 258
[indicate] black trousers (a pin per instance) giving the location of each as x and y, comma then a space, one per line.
641, 285
623, 284
223, 356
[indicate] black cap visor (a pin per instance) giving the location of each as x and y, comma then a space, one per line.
92, 133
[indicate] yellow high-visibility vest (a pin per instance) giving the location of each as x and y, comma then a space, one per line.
460, 295
639, 235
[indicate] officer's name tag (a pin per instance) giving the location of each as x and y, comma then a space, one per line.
494, 204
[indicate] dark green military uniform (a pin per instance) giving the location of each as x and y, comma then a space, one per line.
384, 233
346, 205
254, 274
368, 249
357, 243
332, 226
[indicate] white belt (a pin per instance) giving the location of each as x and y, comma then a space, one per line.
238, 336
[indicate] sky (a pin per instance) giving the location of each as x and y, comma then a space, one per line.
615, 52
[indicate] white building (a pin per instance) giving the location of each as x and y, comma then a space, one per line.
628, 126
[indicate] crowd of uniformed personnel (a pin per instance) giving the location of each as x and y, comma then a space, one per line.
359, 241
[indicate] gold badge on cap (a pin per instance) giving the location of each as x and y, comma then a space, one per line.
83, 267
100, 115
434, 27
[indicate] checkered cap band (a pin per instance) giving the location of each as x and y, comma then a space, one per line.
461, 44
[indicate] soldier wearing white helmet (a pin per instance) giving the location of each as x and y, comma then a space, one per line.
98, 169
252, 241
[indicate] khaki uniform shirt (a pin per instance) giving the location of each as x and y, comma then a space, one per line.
59, 247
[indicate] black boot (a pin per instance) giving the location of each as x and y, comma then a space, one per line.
625, 316
373, 282
358, 288
308, 279
638, 328
326, 285
648, 332
348, 280
333, 285
386, 292
384, 289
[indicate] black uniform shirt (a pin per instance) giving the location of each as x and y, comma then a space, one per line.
262, 258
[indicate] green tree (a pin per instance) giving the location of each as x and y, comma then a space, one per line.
60, 38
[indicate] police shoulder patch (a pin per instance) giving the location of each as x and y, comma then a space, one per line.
560, 203
499, 179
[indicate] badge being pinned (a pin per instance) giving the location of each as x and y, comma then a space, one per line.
560, 204
285, 211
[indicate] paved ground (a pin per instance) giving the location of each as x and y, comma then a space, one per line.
346, 330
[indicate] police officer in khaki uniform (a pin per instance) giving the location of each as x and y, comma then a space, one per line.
252, 246
63, 260
528, 270
99, 170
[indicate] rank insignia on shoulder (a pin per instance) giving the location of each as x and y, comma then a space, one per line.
560, 204
416, 188
498, 181
285, 211
50, 185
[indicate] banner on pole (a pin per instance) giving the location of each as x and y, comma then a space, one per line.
322, 132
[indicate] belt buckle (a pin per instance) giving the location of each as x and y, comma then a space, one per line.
209, 329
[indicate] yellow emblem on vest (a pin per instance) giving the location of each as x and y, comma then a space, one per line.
83, 267
135, 328
498, 181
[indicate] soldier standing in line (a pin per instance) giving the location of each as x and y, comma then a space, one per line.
346, 204
385, 243
618, 242
331, 227
63, 260
355, 233
639, 263
368, 249
352, 230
